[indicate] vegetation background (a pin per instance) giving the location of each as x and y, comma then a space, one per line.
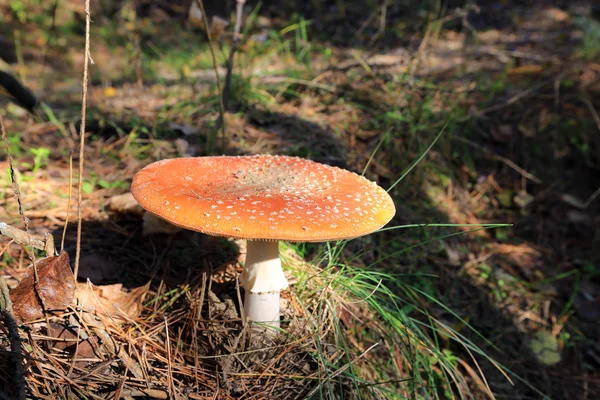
440, 309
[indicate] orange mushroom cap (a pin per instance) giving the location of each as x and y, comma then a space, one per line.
263, 197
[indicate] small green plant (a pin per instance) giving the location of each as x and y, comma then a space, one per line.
41, 155
591, 37
14, 145
18, 9
94, 181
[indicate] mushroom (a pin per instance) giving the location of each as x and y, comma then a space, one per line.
263, 199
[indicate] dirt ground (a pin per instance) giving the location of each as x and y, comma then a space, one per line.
516, 91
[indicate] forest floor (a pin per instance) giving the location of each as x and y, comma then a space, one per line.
426, 311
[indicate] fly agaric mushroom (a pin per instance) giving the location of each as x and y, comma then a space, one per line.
263, 199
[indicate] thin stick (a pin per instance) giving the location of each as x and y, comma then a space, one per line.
7, 308
211, 140
45, 243
591, 198
14, 340
74, 360
586, 99
343, 368
519, 96
62, 242
17, 193
490, 154
168, 345
87, 59
236, 39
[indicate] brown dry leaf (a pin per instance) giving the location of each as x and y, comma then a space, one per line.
112, 303
526, 69
557, 15
55, 289
125, 204
67, 341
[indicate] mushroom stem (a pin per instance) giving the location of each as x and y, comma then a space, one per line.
262, 307
263, 279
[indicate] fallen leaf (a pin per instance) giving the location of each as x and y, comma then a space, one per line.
195, 16
526, 69
453, 255
556, 14
67, 342
54, 290
112, 303
125, 204
523, 199
110, 91
505, 198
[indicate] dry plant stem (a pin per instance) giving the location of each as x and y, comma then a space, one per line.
263, 279
490, 154
169, 368
21, 237
82, 134
236, 39
17, 193
211, 139
13, 337
64, 234
343, 368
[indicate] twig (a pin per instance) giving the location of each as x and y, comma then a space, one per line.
591, 198
586, 99
87, 60
74, 360
221, 124
64, 234
519, 96
17, 194
236, 39
7, 304
45, 243
13, 337
169, 368
197, 318
147, 393
496, 157
286, 80
341, 369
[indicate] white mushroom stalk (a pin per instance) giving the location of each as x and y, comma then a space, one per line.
263, 279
